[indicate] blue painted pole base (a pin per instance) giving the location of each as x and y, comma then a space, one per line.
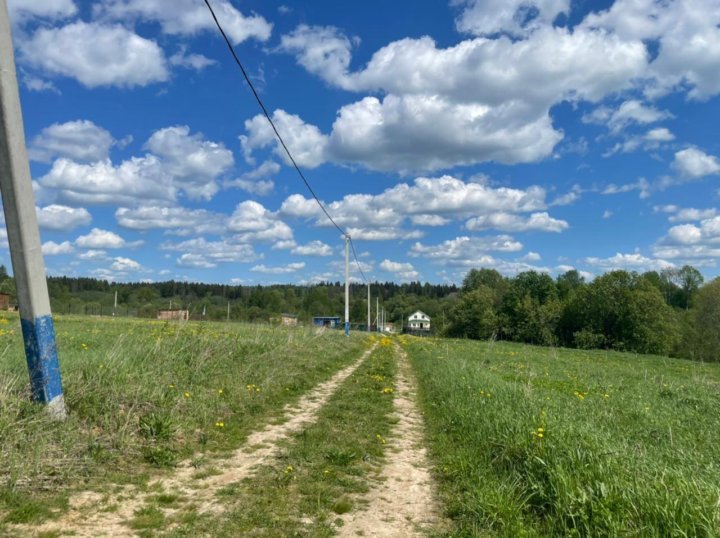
347, 328
42, 360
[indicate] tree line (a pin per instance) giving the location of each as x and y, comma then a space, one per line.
669, 312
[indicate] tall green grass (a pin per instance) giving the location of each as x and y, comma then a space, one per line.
531, 441
143, 395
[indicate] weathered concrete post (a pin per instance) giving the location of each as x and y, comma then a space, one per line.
24, 236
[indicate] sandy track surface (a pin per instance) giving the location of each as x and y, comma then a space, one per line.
402, 503
94, 514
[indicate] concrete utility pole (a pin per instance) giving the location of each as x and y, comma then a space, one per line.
24, 237
115, 304
368, 327
377, 313
347, 285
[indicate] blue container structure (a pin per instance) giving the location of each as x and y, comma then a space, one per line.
327, 321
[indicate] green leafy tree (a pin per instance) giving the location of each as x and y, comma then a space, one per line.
474, 315
530, 309
690, 280
702, 336
568, 282
622, 311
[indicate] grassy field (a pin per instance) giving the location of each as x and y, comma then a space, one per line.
143, 395
531, 441
524, 441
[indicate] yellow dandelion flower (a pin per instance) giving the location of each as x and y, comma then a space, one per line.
187, 394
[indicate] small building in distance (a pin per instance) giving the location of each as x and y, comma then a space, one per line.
5, 301
290, 320
167, 315
389, 327
326, 321
419, 321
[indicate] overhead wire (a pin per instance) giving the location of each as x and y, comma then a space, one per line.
280, 138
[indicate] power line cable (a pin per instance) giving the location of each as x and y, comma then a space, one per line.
357, 262
280, 138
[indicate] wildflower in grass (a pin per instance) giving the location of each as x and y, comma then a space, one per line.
387, 390
539, 433
220, 392
84, 346
380, 438
378, 378
187, 394
289, 469
580, 395
171, 386
219, 424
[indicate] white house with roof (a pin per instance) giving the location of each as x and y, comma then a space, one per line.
419, 321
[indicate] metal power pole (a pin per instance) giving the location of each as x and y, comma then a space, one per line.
347, 285
24, 237
368, 327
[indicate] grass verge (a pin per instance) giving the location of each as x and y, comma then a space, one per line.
145, 394
531, 441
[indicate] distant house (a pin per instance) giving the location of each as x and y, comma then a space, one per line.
288, 319
326, 321
419, 321
5, 301
166, 315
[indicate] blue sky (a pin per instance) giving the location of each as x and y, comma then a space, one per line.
511, 134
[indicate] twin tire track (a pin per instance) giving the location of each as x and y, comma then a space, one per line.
400, 504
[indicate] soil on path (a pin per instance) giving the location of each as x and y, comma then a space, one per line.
94, 514
402, 503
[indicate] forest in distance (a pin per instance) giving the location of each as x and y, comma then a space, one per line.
669, 312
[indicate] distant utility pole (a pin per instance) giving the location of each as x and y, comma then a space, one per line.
347, 285
368, 327
377, 313
24, 237
115, 304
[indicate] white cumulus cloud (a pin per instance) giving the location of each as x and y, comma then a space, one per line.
95, 55
694, 163
79, 140
101, 239
279, 270
64, 218
188, 17
313, 248
50, 248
